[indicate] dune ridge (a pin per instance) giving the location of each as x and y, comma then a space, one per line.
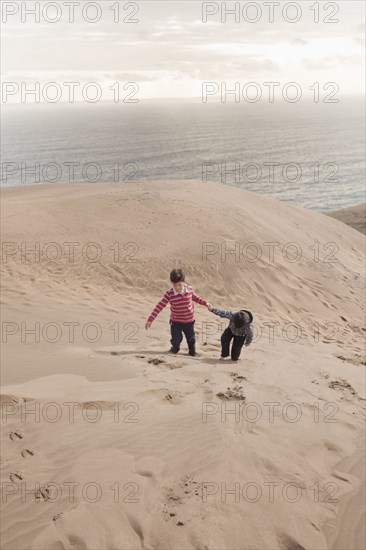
354, 216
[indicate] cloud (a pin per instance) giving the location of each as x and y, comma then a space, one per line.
171, 43
82, 77
299, 41
332, 62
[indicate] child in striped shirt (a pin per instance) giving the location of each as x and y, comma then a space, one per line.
181, 297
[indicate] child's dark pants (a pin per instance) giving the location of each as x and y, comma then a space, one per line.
238, 342
177, 330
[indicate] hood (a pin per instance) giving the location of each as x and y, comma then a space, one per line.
249, 315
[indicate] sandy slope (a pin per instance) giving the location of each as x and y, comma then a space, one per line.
354, 216
152, 452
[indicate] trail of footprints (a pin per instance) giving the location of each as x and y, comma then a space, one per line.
234, 392
337, 384
17, 436
176, 499
42, 493
187, 487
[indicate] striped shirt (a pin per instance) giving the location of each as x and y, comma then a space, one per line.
181, 305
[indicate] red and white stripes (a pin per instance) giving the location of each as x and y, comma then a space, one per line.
181, 305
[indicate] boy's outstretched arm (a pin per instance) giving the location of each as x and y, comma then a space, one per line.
227, 314
200, 300
157, 309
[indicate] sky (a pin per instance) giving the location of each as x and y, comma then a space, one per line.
169, 49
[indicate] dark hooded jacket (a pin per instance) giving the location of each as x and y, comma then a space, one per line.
245, 330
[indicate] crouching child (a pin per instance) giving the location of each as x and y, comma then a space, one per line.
239, 330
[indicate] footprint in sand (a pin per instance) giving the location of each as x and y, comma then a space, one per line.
77, 542
103, 352
288, 543
174, 397
235, 393
16, 476
15, 435
26, 453
177, 496
156, 361
145, 473
164, 395
11, 400
43, 493
173, 366
151, 467
342, 384
356, 360
208, 393
332, 447
237, 377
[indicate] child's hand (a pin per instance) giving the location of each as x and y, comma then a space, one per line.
209, 307
247, 344
147, 325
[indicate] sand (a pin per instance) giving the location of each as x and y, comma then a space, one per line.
129, 447
354, 216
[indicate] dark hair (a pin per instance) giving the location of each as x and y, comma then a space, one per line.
239, 319
177, 276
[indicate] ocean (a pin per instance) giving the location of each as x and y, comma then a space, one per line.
308, 154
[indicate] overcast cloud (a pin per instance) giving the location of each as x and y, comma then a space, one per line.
170, 51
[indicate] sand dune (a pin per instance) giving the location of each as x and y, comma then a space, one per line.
354, 216
129, 447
